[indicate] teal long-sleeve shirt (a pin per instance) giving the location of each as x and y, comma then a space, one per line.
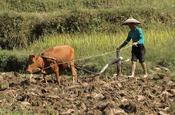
136, 35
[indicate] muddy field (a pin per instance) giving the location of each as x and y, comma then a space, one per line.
91, 95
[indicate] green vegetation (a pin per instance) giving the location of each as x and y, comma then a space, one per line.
159, 44
57, 5
12, 60
99, 43
26, 21
91, 26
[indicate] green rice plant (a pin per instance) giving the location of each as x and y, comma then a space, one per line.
157, 43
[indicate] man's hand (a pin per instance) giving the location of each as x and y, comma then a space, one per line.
135, 44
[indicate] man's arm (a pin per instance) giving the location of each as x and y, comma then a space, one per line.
122, 45
125, 42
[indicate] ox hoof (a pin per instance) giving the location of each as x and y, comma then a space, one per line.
59, 82
75, 81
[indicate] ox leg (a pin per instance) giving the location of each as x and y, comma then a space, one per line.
55, 69
74, 72
44, 75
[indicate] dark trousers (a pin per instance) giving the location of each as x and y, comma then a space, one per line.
138, 53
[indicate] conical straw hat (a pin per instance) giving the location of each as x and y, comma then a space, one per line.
131, 20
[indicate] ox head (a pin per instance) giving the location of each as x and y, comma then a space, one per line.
34, 64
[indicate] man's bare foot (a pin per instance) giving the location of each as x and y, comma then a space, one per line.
114, 75
145, 75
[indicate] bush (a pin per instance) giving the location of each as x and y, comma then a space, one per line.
12, 32
18, 30
12, 63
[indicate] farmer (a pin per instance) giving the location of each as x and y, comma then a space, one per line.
138, 49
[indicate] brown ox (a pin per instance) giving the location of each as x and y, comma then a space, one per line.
53, 58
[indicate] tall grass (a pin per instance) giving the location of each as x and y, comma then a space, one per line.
159, 44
